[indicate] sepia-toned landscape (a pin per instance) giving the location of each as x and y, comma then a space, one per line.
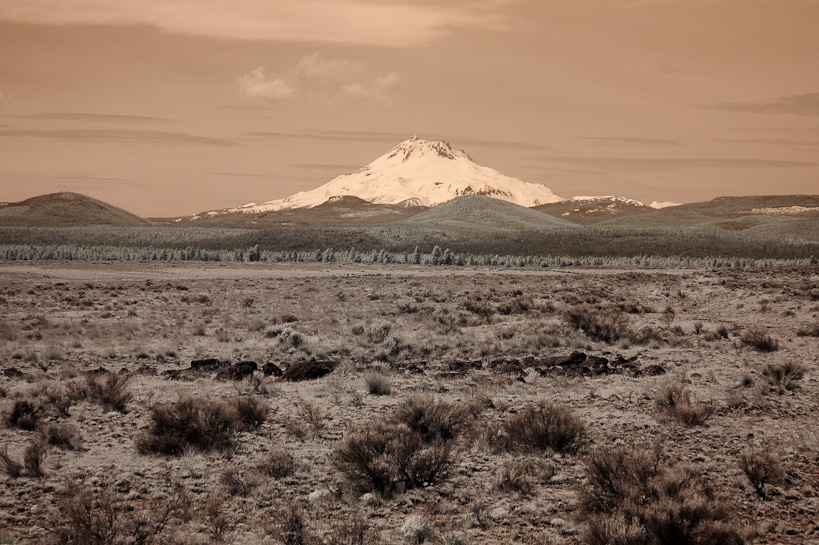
405, 272
407, 404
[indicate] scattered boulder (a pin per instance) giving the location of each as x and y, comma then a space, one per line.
237, 371
208, 364
308, 370
271, 369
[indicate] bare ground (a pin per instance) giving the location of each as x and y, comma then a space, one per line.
497, 340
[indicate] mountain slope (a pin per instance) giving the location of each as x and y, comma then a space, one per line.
484, 214
65, 210
590, 210
416, 172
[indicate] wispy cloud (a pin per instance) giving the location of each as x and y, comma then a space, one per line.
258, 84
80, 135
618, 140
396, 23
804, 104
634, 164
96, 118
392, 138
331, 78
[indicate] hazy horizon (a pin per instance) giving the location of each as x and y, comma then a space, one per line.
171, 108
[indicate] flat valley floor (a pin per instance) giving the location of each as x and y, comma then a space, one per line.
90, 351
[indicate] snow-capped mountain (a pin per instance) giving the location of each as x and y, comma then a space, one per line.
416, 172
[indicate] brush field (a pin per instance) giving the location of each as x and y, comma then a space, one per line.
330, 403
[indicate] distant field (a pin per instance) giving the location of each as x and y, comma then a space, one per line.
180, 243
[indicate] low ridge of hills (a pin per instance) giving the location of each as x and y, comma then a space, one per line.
65, 209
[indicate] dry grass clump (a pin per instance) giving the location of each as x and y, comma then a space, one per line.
192, 422
542, 427
633, 497
378, 383
761, 467
784, 376
598, 324
760, 341
673, 401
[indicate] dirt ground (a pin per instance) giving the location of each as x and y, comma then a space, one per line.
495, 340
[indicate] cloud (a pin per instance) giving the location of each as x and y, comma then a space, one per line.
615, 140
258, 84
398, 23
634, 164
392, 138
314, 67
376, 90
101, 118
331, 78
805, 104
79, 135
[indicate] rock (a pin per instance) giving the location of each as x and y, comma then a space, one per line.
237, 371
208, 364
271, 369
308, 370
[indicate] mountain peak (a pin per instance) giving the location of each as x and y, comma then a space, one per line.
416, 146
416, 172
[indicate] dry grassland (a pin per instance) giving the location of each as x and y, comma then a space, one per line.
416, 404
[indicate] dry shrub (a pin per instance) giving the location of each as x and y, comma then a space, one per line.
352, 531
193, 422
784, 376
291, 527
109, 390
673, 401
33, 458
809, 330
278, 464
760, 341
597, 324
433, 419
520, 476
103, 519
388, 457
235, 482
9, 465
315, 417
252, 411
217, 521
543, 426
24, 415
761, 467
64, 436
633, 497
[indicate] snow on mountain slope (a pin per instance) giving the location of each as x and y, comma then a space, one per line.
416, 172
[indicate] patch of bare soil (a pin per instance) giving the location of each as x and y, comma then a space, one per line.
255, 403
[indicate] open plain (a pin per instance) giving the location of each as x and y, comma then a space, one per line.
407, 404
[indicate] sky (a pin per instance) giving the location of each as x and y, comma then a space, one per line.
173, 107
